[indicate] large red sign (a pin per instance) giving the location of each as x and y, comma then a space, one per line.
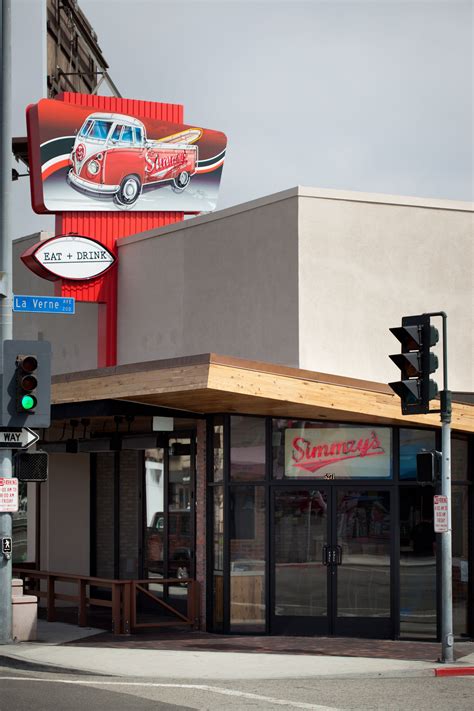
84, 159
338, 453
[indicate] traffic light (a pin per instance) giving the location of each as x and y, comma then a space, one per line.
426, 467
26, 384
31, 466
416, 363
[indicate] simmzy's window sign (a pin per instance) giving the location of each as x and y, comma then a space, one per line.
68, 257
82, 159
338, 453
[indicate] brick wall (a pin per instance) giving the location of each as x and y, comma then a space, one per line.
105, 515
130, 513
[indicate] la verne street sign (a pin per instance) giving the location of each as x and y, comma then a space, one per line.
17, 438
44, 304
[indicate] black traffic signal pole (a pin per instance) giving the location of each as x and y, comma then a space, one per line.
447, 632
416, 361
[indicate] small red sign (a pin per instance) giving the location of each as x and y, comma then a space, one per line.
441, 517
8, 495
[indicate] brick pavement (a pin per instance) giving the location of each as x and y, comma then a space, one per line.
180, 640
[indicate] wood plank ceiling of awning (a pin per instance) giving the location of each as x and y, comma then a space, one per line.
216, 384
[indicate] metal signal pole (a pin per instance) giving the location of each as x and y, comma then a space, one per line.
6, 330
447, 632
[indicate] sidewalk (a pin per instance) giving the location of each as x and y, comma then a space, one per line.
188, 655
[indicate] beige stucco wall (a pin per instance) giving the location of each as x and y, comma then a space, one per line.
65, 515
307, 277
225, 283
73, 337
366, 261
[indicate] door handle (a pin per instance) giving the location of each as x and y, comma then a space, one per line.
325, 554
338, 553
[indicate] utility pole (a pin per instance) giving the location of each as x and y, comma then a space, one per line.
6, 329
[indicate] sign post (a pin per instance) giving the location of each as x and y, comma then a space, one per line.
6, 331
447, 634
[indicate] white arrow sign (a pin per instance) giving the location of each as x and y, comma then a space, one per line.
17, 438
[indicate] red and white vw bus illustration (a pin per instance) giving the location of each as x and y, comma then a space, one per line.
113, 157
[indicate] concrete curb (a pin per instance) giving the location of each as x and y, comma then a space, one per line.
454, 671
13, 662
134, 671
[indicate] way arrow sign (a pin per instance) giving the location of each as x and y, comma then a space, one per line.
19, 438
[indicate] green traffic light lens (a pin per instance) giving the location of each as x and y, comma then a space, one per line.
28, 402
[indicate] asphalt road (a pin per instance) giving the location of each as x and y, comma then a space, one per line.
26, 690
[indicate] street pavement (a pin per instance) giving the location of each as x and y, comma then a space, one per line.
56, 673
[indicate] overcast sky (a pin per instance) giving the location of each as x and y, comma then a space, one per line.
358, 95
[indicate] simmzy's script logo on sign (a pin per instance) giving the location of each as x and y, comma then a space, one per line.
155, 162
311, 457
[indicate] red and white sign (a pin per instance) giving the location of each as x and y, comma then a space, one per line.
338, 453
86, 160
441, 514
69, 257
8, 495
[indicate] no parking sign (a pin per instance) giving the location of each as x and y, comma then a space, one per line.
8, 495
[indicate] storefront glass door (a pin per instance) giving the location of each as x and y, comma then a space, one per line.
331, 561
301, 534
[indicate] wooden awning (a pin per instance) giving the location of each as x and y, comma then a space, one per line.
212, 383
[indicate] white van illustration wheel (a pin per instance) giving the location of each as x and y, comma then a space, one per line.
181, 181
129, 191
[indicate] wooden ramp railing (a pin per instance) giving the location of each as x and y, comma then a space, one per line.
123, 598
191, 617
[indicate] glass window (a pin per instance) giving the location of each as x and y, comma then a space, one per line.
460, 539
116, 132
179, 511
412, 442
459, 459
86, 128
314, 450
218, 448
247, 448
417, 563
300, 534
127, 135
247, 558
363, 540
218, 557
100, 129
155, 513
138, 135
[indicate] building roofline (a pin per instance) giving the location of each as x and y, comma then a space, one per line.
300, 191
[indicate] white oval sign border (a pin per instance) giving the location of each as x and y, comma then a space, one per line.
88, 243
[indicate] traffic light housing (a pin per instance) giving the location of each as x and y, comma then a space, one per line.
427, 467
26, 384
31, 466
416, 363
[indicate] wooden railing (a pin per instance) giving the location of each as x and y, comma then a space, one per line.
191, 617
123, 598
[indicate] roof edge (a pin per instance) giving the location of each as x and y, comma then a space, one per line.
229, 362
